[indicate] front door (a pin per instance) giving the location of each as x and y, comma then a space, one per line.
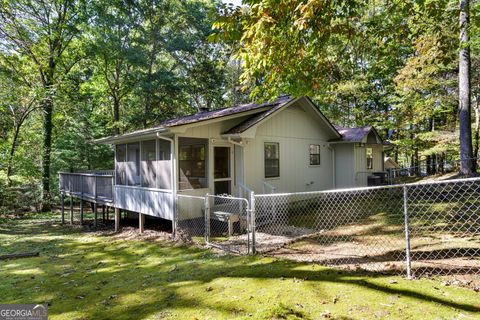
222, 170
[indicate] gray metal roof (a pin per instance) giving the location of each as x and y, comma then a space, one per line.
353, 134
253, 120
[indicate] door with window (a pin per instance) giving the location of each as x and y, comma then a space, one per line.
222, 170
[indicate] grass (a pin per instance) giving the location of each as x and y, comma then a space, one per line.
85, 275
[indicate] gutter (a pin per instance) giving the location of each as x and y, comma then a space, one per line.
129, 136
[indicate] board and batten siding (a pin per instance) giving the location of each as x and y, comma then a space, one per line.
361, 171
345, 166
294, 129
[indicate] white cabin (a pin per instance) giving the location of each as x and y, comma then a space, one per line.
286, 145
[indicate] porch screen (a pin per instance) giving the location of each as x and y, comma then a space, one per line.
149, 164
192, 158
120, 164
164, 165
133, 164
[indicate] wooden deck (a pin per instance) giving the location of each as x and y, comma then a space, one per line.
98, 188
95, 186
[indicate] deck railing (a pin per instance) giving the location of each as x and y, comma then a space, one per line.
97, 186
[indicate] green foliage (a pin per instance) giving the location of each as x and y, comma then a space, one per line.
392, 64
99, 68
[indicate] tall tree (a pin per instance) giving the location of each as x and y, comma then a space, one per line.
464, 86
41, 30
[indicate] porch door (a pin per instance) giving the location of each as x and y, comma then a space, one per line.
222, 170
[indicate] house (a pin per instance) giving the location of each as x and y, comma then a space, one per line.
286, 145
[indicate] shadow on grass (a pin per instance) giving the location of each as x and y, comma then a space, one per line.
100, 275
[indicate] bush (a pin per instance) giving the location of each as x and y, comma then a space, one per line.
21, 195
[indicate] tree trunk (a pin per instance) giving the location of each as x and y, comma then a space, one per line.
466, 155
47, 105
116, 115
12, 153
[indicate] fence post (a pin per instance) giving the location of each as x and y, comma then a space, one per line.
407, 233
252, 220
63, 207
207, 218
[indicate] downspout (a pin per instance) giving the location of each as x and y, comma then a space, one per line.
333, 165
172, 180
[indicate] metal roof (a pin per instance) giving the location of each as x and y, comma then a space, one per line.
353, 134
208, 115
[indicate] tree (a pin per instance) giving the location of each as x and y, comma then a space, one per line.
464, 95
41, 30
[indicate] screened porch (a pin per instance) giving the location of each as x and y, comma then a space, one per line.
143, 177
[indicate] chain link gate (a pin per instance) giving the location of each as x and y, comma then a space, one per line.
228, 223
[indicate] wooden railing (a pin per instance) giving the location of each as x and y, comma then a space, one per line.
95, 185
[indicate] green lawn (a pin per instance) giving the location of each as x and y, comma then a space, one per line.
96, 276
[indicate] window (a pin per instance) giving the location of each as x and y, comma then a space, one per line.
133, 164
369, 152
314, 154
272, 160
149, 163
192, 157
120, 164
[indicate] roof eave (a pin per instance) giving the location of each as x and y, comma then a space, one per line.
129, 136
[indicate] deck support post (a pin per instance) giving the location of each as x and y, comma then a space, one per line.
117, 219
108, 209
141, 222
95, 214
71, 210
81, 211
63, 208
103, 213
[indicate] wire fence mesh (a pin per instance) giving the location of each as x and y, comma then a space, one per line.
435, 226
358, 228
190, 216
218, 221
228, 223
444, 227
416, 230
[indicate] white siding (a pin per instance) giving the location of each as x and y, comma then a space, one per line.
344, 166
152, 202
294, 129
361, 171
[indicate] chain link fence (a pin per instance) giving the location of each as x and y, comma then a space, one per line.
416, 230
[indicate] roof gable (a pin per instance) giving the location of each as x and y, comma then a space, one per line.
358, 135
259, 118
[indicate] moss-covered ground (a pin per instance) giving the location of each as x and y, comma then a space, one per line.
87, 275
